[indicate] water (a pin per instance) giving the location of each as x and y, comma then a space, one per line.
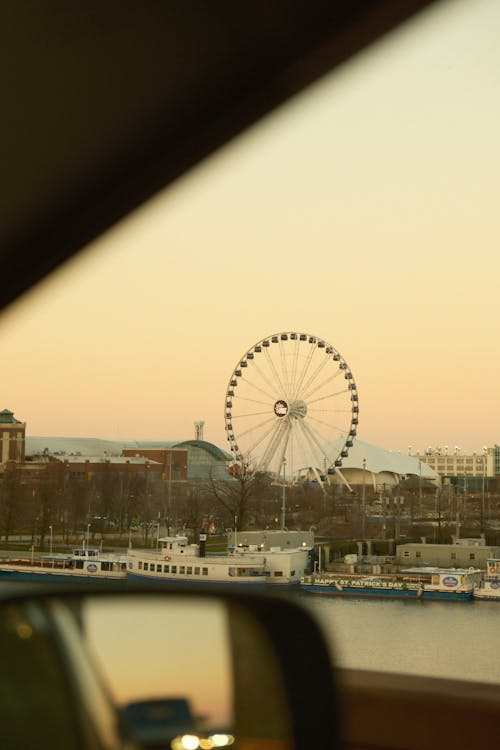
432, 638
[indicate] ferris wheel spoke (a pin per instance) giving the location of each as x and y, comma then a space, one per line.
280, 434
255, 427
273, 369
267, 380
284, 444
254, 401
295, 366
328, 395
314, 439
344, 480
310, 451
237, 417
260, 439
304, 370
312, 378
260, 390
308, 394
331, 428
284, 368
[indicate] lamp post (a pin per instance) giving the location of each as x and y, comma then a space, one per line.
169, 504
283, 497
50, 540
363, 501
485, 463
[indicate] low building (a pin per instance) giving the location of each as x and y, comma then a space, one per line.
485, 463
87, 468
174, 461
462, 553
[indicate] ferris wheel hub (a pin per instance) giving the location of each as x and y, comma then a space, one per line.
298, 409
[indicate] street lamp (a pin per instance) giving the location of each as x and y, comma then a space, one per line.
283, 498
485, 464
169, 491
50, 540
363, 500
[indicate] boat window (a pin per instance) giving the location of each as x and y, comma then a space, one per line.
197, 571
205, 571
146, 566
182, 569
472, 556
174, 568
79, 564
166, 568
189, 570
278, 573
140, 565
158, 568
292, 572
106, 566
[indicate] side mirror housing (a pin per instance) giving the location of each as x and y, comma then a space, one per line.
153, 666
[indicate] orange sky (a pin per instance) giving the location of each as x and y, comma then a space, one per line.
365, 212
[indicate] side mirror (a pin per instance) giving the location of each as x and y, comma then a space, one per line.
163, 669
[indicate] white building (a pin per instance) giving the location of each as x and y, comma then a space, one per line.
457, 464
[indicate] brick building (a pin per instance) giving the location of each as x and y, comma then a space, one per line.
12, 438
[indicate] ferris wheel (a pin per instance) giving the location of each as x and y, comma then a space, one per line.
291, 409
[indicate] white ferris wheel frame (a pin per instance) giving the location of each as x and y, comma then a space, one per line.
297, 389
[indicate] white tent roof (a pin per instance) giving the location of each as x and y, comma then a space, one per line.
379, 460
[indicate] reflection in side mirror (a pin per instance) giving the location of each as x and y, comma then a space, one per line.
188, 671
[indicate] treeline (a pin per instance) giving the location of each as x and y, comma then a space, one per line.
50, 501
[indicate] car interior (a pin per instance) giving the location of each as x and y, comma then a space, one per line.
104, 105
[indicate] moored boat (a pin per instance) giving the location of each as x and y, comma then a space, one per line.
421, 583
489, 588
176, 560
82, 564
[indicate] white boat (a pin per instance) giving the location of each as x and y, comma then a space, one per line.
489, 588
175, 560
84, 563
283, 567
241, 564
453, 584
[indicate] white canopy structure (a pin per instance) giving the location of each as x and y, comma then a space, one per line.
383, 467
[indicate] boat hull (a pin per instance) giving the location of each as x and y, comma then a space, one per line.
195, 582
379, 593
43, 576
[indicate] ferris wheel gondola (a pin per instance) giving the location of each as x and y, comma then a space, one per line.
291, 409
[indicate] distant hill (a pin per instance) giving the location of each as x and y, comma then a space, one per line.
74, 446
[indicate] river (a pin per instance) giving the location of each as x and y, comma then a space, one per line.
433, 638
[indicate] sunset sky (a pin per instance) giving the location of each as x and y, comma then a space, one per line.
365, 212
